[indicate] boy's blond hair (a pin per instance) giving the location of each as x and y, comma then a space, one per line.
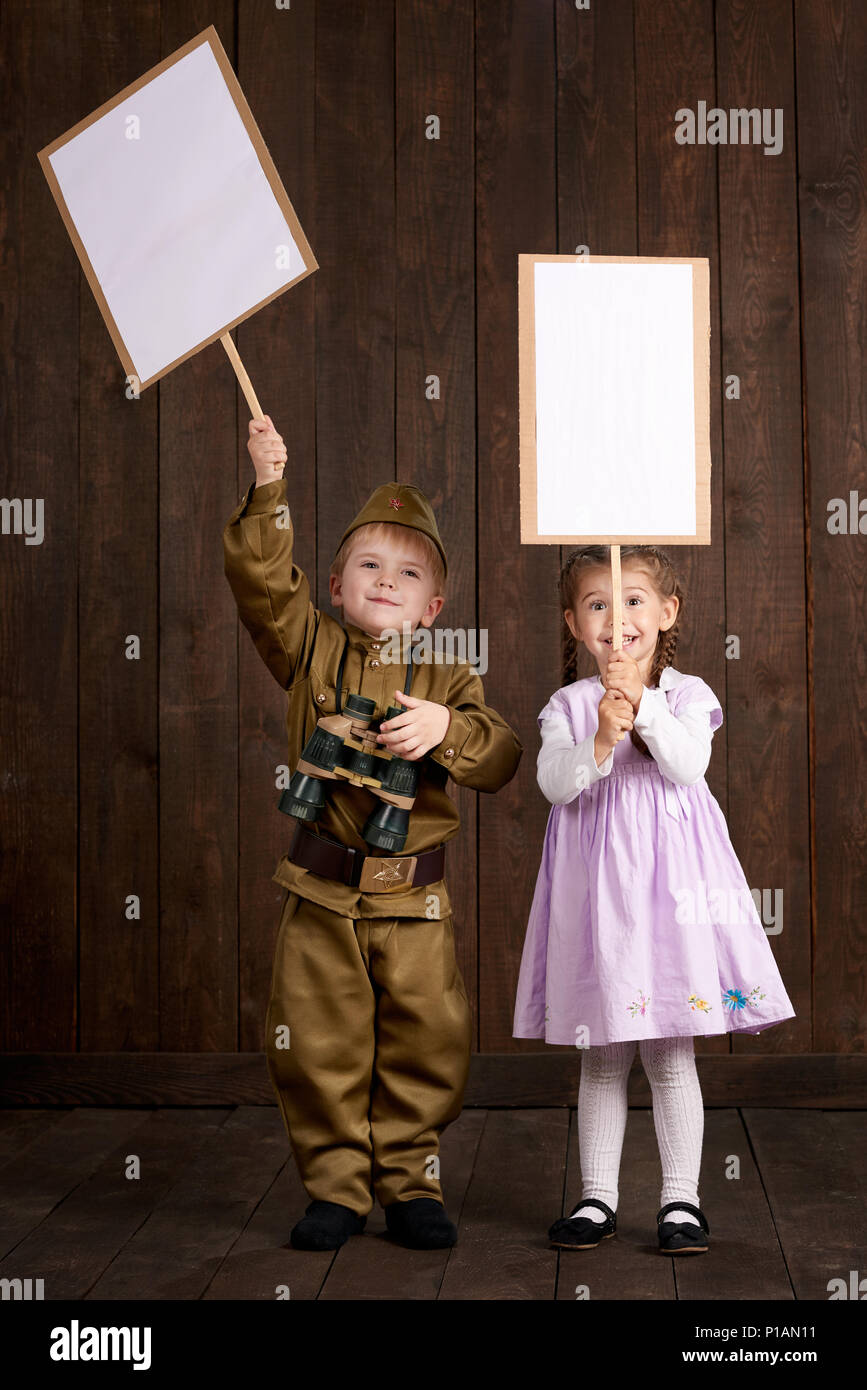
417, 541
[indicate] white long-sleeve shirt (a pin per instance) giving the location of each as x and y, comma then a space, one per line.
680, 744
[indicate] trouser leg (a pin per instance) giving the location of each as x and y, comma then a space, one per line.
321, 990
423, 1043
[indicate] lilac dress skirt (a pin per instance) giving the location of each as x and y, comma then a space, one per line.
642, 923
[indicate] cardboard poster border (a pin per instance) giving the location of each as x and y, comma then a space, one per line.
211, 37
527, 400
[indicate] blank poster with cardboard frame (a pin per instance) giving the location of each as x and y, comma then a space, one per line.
614, 403
614, 377
176, 210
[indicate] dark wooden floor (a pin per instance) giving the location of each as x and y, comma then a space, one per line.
217, 1196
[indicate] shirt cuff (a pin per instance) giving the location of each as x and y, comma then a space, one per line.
653, 702
265, 499
448, 750
588, 759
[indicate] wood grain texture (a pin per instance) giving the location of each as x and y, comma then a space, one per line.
831, 54
210, 1214
435, 335
515, 212
764, 524
198, 420
496, 1079
277, 73
678, 215
118, 602
156, 777
39, 419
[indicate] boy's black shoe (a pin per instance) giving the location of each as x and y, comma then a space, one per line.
422, 1224
326, 1226
682, 1237
580, 1232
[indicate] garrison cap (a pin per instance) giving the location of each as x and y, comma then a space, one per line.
403, 504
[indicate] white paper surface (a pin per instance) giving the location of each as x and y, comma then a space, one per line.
180, 225
615, 414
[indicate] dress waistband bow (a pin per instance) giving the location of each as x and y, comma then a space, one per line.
676, 800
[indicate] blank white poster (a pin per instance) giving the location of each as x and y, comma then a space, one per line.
615, 409
175, 213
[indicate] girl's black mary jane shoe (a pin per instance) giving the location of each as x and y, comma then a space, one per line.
580, 1233
682, 1237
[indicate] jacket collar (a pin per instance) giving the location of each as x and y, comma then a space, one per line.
362, 640
358, 637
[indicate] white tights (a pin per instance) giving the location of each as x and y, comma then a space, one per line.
678, 1117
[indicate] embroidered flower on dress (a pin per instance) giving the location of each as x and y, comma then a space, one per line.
734, 999
639, 1005
695, 1003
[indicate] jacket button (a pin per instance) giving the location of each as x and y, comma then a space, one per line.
374, 663
375, 646
320, 699
450, 752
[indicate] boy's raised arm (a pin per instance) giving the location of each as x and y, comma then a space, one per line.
272, 593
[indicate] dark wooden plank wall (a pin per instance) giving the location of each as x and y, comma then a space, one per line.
831, 48
156, 776
764, 521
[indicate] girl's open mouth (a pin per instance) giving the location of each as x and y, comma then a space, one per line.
626, 641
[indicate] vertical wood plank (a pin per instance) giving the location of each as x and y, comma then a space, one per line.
677, 216
39, 370
766, 708
515, 211
831, 49
435, 336
355, 289
118, 578
595, 161
276, 70
198, 675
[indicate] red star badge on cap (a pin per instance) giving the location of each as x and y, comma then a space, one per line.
395, 502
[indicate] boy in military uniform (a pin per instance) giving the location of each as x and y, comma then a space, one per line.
365, 983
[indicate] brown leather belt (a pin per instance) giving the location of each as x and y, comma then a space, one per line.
372, 873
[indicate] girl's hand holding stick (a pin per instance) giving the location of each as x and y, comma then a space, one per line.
615, 721
622, 674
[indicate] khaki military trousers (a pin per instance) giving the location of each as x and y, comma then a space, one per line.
368, 1036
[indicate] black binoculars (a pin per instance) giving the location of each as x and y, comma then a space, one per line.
343, 746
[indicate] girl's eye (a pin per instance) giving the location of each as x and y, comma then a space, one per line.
413, 573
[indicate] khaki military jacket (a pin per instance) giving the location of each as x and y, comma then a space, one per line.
302, 646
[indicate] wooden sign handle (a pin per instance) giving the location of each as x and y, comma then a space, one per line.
616, 601
240, 372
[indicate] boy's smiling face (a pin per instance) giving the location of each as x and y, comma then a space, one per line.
645, 614
386, 583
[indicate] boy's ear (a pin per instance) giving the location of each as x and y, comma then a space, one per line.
433, 608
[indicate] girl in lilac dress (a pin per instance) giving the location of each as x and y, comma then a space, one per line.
642, 928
